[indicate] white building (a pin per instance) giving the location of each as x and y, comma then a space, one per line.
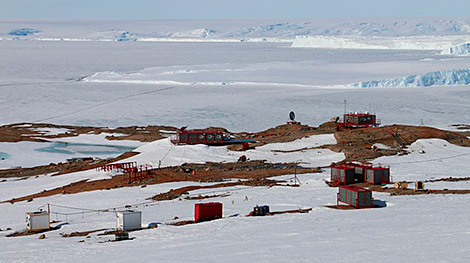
37, 221
129, 220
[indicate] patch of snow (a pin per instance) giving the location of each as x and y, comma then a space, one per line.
382, 146
451, 185
308, 142
52, 131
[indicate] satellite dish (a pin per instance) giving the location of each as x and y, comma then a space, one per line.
292, 116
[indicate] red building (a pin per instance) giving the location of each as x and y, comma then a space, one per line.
356, 172
356, 196
184, 136
207, 211
342, 174
377, 175
358, 120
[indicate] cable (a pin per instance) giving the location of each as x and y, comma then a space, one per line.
103, 103
167, 152
432, 160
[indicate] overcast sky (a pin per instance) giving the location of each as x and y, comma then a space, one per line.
219, 9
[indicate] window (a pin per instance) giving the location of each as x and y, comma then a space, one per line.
192, 137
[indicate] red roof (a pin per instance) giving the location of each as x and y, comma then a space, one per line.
358, 114
355, 188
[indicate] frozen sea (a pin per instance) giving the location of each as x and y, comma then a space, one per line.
240, 86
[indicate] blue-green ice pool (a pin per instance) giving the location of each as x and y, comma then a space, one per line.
85, 149
4, 156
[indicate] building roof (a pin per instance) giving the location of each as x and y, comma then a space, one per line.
355, 188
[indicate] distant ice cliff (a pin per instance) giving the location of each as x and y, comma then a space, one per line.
361, 42
436, 78
459, 50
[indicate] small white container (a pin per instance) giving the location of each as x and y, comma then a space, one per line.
129, 220
37, 221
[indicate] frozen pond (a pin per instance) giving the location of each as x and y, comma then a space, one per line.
85, 149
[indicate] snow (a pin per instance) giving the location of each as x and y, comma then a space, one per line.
428, 159
462, 185
171, 155
416, 227
382, 146
308, 142
441, 78
51, 131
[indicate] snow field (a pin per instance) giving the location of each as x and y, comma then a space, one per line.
171, 155
409, 224
428, 159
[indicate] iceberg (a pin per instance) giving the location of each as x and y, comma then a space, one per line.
24, 32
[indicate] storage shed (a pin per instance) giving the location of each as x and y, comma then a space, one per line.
129, 220
342, 174
36, 221
377, 175
207, 211
358, 197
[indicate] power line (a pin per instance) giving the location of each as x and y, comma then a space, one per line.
433, 160
103, 103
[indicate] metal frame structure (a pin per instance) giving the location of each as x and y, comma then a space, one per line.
125, 167
360, 173
383, 179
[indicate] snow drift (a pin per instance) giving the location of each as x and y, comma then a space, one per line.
436, 78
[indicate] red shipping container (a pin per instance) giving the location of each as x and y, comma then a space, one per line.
356, 196
207, 211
